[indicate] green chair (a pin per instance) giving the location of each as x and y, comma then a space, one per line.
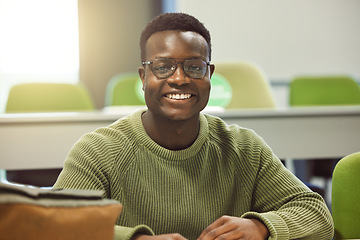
346, 197
124, 89
250, 87
44, 97
313, 91
48, 97
221, 91
324, 90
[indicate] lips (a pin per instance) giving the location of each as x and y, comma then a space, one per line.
178, 96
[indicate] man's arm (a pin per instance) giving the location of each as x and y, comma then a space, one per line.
228, 227
288, 208
88, 166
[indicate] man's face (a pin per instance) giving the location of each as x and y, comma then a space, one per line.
177, 97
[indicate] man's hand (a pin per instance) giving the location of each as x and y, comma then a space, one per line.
172, 236
230, 228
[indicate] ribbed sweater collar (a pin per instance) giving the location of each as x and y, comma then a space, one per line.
143, 138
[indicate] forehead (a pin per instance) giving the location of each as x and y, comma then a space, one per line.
176, 44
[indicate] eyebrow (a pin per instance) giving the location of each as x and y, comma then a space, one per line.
183, 58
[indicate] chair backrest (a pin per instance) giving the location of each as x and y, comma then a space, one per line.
250, 86
323, 90
345, 201
124, 89
48, 97
221, 91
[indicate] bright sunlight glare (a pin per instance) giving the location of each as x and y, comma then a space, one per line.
39, 37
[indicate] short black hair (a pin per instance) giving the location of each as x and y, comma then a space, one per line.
173, 21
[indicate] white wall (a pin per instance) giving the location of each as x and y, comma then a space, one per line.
109, 33
285, 37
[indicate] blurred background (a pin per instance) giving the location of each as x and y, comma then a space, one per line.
90, 41
96, 42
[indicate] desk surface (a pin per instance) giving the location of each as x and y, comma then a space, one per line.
43, 140
114, 113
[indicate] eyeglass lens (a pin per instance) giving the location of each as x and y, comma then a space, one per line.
165, 67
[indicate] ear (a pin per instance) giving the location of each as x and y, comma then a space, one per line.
141, 72
212, 69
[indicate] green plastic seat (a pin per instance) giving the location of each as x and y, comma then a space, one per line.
346, 197
221, 91
48, 97
44, 97
250, 86
124, 89
315, 91
324, 90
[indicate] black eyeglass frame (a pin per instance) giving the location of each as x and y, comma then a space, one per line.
150, 63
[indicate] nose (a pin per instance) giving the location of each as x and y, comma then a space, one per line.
179, 76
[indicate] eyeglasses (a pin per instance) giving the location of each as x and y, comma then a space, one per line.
165, 67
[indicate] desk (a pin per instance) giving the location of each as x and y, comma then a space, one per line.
43, 140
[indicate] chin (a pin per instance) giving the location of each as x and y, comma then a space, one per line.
180, 117
180, 114
177, 114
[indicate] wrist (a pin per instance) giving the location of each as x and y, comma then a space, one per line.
261, 227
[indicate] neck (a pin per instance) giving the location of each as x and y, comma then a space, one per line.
171, 134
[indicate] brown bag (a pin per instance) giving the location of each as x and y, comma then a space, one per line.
44, 214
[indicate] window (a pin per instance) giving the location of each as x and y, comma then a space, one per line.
38, 43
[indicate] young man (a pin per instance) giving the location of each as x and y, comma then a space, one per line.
181, 174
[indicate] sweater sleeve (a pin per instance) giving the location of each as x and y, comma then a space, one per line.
284, 204
89, 165
127, 233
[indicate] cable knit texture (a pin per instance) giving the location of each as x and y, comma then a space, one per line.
228, 170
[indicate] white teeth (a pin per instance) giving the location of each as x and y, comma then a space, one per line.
179, 96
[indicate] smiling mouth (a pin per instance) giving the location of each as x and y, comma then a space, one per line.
179, 96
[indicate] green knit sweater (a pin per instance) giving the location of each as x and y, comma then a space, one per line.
228, 170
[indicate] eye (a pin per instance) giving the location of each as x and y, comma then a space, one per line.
194, 65
193, 68
162, 67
